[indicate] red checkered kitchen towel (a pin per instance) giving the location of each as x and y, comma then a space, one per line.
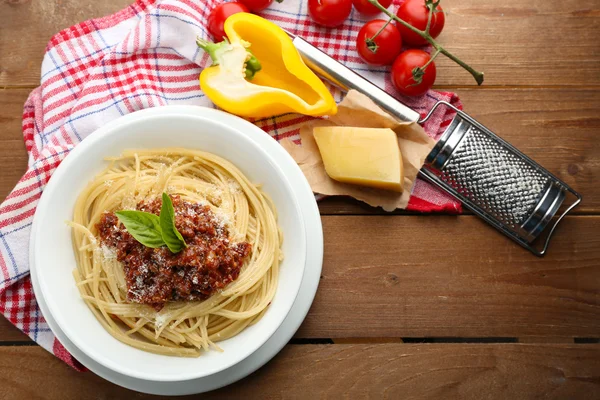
145, 56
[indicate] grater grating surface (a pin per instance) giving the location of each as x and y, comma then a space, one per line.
487, 173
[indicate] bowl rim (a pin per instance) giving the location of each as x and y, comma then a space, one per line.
254, 134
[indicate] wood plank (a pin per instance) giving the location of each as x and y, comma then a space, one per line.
445, 276
426, 371
13, 157
28, 26
537, 42
10, 333
564, 121
514, 42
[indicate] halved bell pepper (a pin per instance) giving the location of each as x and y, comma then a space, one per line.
280, 81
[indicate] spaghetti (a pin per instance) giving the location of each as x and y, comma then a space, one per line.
208, 182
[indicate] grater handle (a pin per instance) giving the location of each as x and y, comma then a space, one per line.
435, 106
441, 154
572, 206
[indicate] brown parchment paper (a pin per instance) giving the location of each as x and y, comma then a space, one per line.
357, 110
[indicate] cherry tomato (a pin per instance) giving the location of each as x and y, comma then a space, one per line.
384, 48
402, 72
329, 13
219, 14
364, 7
257, 5
416, 13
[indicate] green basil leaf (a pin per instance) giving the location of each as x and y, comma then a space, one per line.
170, 234
143, 226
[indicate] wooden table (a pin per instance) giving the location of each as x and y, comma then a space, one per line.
450, 309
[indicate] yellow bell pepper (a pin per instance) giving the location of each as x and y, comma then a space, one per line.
281, 82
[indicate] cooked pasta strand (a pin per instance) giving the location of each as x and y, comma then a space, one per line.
179, 328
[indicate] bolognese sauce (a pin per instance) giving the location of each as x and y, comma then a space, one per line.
155, 276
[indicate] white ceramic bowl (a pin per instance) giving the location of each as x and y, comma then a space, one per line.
232, 138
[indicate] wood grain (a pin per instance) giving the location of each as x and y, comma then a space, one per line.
537, 42
10, 333
13, 157
385, 371
525, 43
556, 127
28, 26
445, 276
435, 276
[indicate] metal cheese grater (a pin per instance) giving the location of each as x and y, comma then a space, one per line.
487, 174
496, 181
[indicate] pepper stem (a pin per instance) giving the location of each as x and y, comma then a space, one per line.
211, 48
478, 76
252, 65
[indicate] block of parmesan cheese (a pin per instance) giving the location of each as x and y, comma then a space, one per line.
361, 156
